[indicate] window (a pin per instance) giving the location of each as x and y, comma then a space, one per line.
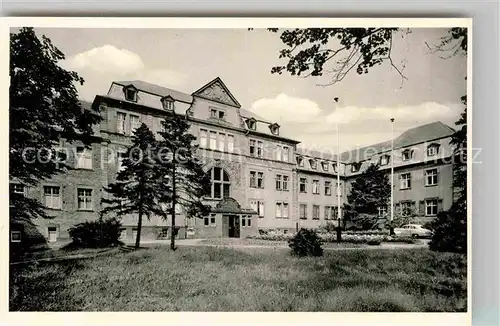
162, 125
315, 212
83, 158
121, 155
135, 122
131, 94
209, 221
203, 138
213, 140
282, 210
275, 129
303, 185
330, 212
334, 166
303, 211
315, 187
217, 114
382, 210
252, 124
168, 104
121, 122
432, 149
246, 221
253, 179
300, 161
52, 197
15, 236
431, 177
258, 206
220, 183
222, 141
279, 182
405, 181
260, 149
355, 167
230, 143
325, 166
406, 208
17, 189
260, 180
278, 153
328, 188
407, 154
84, 199
286, 153
431, 207
313, 164
384, 160
252, 147
285, 183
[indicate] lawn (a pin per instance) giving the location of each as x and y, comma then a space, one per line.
271, 243
215, 279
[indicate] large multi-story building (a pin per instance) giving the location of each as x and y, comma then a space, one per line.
260, 179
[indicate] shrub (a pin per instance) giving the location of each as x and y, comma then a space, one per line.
96, 234
449, 232
306, 243
373, 242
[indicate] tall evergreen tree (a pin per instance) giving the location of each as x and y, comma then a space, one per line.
185, 182
369, 191
136, 190
43, 108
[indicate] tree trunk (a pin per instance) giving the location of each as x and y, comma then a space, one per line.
172, 231
139, 226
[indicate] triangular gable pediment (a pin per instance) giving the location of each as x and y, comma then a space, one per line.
218, 92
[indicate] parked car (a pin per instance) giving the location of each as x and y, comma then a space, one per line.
413, 230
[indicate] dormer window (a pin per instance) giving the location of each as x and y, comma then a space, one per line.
384, 160
325, 166
432, 149
252, 124
275, 129
168, 103
313, 164
130, 93
355, 167
407, 154
300, 161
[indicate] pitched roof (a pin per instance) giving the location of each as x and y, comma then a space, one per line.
249, 114
157, 90
417, 135
207, 92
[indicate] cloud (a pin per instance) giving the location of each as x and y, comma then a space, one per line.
107, 59
102, 65
425, 112
286, 109
303, 119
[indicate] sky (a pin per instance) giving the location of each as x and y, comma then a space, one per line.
186, 59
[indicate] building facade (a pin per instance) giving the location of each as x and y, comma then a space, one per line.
260, 178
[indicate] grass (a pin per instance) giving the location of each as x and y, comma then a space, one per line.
214, 279
272, 243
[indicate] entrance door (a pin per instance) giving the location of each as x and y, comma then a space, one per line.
52, 234
234, 226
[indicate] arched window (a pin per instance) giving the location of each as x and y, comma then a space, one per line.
220, 183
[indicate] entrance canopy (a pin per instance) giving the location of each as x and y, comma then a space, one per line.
229, 205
